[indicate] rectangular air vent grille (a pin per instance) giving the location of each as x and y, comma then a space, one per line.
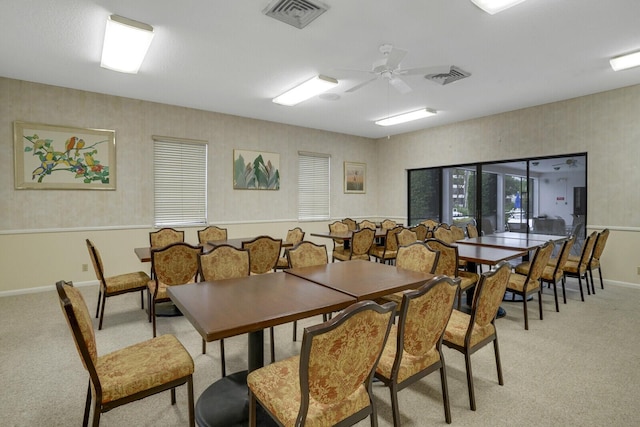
453, 75
298, 13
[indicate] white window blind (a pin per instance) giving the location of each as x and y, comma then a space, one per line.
313, 186
180, 181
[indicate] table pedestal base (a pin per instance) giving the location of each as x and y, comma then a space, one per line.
225, 403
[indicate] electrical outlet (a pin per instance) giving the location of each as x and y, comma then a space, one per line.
85, 267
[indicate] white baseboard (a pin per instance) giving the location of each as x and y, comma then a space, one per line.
43, 289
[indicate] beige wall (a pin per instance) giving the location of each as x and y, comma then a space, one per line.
42, 232
604, 125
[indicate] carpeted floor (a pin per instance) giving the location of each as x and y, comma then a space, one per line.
578, 367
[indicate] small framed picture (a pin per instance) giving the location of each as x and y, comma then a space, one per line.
355, 177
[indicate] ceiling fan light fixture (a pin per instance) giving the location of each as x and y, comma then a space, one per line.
306, 90
494, 6
624, 62
406, 117
126, 43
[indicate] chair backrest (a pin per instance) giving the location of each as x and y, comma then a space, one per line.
423, 318
307, 254
96, 260
421, 231
264, 252
488, 297
353, 226
175, 264
539, 261
79, 320
391, 242
334, 359
430, 223
587, 250
388, 224
367, 224
295, 236
417, 257
601, 241
448, 260
563, 256
443, 233
406, 237
224, 262
457, 233
338, 227
165, 237
472, 230
211, 234
361, 241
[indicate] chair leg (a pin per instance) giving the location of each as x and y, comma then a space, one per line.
526, 312
600, 274
222, 360
142, 299
581, 292
104, 299
192, 415
496, 351
472, 395
593, 289
173, 396
273, 348
295, 330
445, 393
555, 296
252, 410
564, 293
586, 280
394, 403
87, 407
540, 303
99, 298
153, 318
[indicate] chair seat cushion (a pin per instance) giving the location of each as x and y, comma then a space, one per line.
572, 267
162, 290
523, 267
517, 282
379, 252
277, 387
142, 366
409, 365
457, 329
548, 274
283, 262
467, 279
127, 281
345, 255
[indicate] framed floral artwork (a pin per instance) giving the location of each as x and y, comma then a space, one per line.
63, 158
256, 170
355, 177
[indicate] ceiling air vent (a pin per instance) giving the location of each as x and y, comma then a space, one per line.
453, 75
298, 13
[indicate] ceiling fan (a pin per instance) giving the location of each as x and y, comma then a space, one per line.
572, 163
388, 68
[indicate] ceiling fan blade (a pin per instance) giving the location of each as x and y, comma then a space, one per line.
395, 57
399, 85
358, 86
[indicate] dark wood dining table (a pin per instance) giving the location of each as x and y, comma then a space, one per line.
379, 233
226, 308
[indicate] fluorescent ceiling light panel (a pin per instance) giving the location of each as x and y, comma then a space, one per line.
494, 6
406, 117
623, 62
125, 44
306, 90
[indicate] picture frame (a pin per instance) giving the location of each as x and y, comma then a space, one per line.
52, 157
355, 177
256, 170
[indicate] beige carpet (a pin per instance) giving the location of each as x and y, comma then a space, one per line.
579, 367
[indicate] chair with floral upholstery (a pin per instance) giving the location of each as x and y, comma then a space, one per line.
431, 224
222, 262
472, 230
421, 231
306, 254
414, 347
338, 227
553, 271
127, 374
448, 263
173, 265
330, 382
361, 242
406, 237
468, 333
386, 253
294, 236
444, 234
211, 234
264, 253
457, 233
594, 262
352, 224
415, 257
367, 224
388, 224
529, 284
165, 237
114, 285
579, 268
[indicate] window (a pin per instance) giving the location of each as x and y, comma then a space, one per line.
180, 182
313, 186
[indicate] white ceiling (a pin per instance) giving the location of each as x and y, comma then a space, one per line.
227, 56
